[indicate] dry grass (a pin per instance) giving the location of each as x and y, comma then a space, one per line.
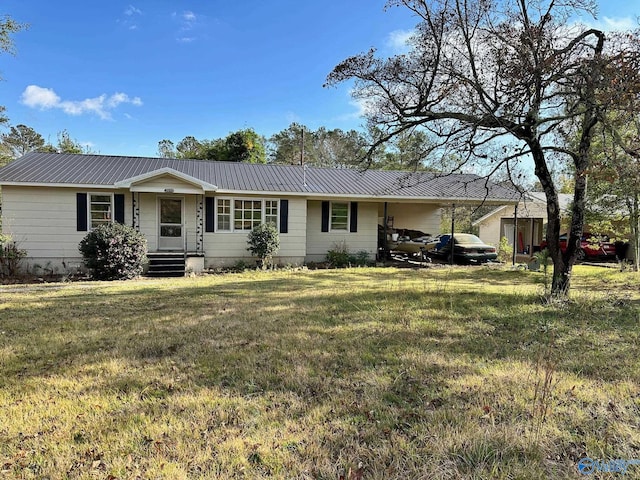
429, 374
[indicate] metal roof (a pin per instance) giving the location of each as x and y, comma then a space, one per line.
564, 199
106, 171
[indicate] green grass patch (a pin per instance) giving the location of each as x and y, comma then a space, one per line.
463, 373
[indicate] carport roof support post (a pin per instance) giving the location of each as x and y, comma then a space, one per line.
515, 233
453, 229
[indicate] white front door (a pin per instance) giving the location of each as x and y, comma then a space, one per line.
171, 228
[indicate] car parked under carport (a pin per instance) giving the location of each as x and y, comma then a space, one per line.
467, 248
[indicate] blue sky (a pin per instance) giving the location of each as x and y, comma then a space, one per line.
121, 76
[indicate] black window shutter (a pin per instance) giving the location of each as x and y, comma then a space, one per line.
209, 212
325, 216
284, 216
353, 221
118, 208
81, 212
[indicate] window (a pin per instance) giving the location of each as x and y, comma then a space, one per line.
247, 214
224, 214
340, 216
271, 212
100, 208
242, 215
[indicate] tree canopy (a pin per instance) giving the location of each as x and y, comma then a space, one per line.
65, 144
321, 148
613, 198
495, 83
240, 146
21, 140
8, 27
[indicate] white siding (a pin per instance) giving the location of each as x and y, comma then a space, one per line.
414, 216
490, 230
167, 182
43, 222
226, 248
148, 219
319, 243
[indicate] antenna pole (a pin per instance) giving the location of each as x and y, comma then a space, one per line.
302, 146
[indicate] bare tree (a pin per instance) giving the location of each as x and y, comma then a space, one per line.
483, 75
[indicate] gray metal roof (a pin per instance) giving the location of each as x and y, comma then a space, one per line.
564, 199
104, 171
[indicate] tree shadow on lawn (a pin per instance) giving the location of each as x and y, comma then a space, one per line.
261, 318
369, 367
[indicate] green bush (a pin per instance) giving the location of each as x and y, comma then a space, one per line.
338, 256
361, 258
239, 267
10, 257
505, 251
114, 252
264, 242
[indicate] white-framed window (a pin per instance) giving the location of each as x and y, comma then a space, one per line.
100, 209
223, 211
243, 214
271, 212
339, 217
246, 214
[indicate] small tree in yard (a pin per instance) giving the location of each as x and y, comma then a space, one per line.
264, 242
505, 250
114, 252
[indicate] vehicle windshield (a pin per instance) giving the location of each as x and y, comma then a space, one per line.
467, 238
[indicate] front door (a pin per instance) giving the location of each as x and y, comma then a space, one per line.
171, 228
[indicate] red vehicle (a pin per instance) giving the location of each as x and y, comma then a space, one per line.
591, 246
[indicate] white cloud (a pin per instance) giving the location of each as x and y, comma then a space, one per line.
188, 22
361, 107
117, 98
398, 40
131, 10
45, 98
130, 17
189, 16
38, 97
619, 24
611, 24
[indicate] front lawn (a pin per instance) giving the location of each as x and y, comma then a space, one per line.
461, 373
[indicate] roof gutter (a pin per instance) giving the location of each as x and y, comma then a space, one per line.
308, 195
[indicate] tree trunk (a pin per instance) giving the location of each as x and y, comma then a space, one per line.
561, 268
634, 224
561, 280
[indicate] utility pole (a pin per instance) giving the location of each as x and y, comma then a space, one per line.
302, 145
